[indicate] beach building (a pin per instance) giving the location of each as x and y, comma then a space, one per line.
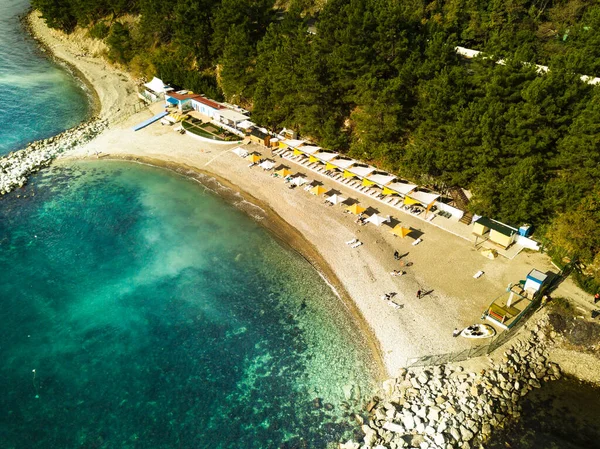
230, 118
506, 310
181, 99
259, 137
499, 233
205, 106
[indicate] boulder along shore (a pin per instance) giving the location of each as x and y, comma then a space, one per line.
17, 166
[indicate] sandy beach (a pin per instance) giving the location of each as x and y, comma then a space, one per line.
443, 264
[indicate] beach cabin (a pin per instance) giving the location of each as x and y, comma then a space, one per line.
259, 137
534, 281
230, 117
499, 233
205, 106
181, 99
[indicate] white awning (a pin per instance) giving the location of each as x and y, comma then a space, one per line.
232, 115
246, 124
156, 85
309, 149
325, 157
381, 178
424, 198
240, 152
361, 171
377, 220
293, 143
402, 187
342, 163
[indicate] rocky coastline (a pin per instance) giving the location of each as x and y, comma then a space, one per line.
447, 407
17, 166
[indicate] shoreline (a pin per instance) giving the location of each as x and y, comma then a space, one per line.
95, 105
280, 229
445, 263
275, 224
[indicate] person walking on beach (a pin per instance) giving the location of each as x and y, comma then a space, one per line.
419, 293
596, 298
396, 255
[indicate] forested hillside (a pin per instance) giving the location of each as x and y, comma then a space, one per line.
380, 80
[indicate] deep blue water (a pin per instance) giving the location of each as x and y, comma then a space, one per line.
157, 316
37, 98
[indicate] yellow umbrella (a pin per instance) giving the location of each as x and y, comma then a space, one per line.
367, 183
408, 201
400, 231
387, 191
329, 166
348, 174
356, 209
318, 190
312, 159
284, 172
254, 158
297, 152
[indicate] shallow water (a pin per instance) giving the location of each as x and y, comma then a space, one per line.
156, 315
38, 98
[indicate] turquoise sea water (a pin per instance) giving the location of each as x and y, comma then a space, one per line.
37, 98
155, 315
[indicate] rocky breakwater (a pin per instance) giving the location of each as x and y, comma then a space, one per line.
446, 407
16, 167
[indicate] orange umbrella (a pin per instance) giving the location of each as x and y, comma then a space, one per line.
356, 209
400, 231
318, 190
254, 158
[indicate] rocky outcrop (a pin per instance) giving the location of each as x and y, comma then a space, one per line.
16, 167
445, 407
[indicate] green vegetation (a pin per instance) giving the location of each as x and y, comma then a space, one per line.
381, 81
204, 130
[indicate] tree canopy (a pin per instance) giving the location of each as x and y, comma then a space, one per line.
380, 80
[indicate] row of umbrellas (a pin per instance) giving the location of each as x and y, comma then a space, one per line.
318, 190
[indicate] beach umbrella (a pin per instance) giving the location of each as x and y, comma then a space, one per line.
299, 180
335, 199
318, 190
401, 231
254, 158
240, 152
356, 209
284, 172
267, 165
377, 220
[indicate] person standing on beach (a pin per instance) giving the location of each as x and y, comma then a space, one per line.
419, 292
596, 298
456, 332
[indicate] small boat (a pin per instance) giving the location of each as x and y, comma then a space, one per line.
478, 331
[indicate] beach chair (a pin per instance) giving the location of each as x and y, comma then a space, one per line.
350, 242
478, 274
356, 245
416, 242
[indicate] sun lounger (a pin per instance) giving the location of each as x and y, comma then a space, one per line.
356, 245
350, 242
478, 274
416, 242
394, 305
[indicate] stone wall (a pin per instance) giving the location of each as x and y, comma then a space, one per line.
16, 167
446, 407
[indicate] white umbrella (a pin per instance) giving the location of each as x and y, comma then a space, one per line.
299, 180
267, 165
377, 220
335, 199
240, 152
